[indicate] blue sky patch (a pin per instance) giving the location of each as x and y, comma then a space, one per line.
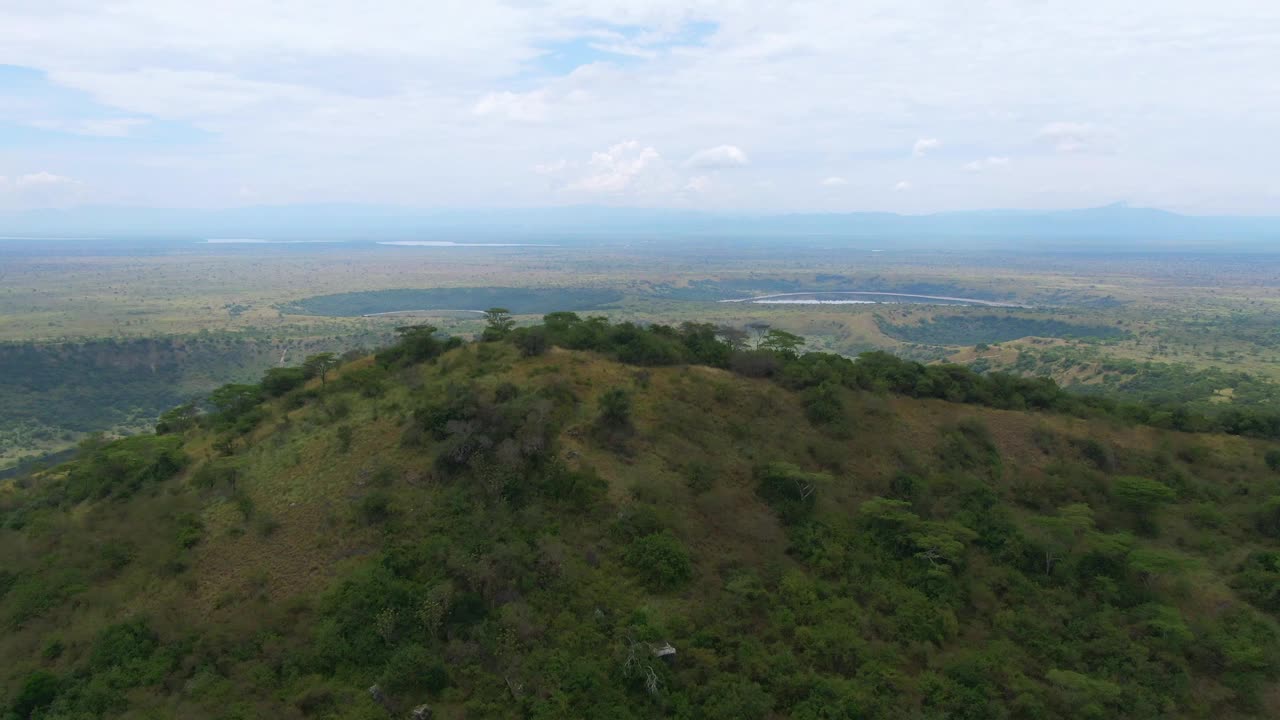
36, 111
601, 44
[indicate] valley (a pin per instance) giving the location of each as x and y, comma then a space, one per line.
1207, 322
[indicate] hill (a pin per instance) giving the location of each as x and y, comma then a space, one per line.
589, 520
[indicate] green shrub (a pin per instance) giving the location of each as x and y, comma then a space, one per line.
735, 698
660, 560
635, 521
412, 668
266, 525
114, 556
1273, 459
371, 382
1267, 517
34, 594
337, 409
246, 506
1258, 580
374, 507
790, 491
1098, 455
967, 445
123, 644
38, 691
215, 473
1206, 516
314, 700
822, 404
581, 489
700, 478
190, 531
615, 409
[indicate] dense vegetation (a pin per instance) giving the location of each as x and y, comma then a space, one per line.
976, 329
1154, 382
51, 393
521, 301
713, 524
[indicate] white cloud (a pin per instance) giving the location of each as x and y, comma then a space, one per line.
924, 146
528, 107
620, 168
902, 186
39, 189
833, 181
993, 161
555, 167
103, 127
698, 184
42, 179
452, 104
719, 157
1075, 137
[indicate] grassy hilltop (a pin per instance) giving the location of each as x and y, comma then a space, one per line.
524, 525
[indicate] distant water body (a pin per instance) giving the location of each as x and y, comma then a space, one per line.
256, 241
866, 297
447, 243
801, 301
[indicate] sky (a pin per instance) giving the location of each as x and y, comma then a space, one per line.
909, 106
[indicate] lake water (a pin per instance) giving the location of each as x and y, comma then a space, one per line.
864, 297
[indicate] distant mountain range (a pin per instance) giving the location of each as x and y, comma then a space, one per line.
1090, 227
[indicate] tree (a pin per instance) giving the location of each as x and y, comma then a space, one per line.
782, 342
177, 420
278, 381
319, 365
703, 345
1151, 564
235, 399
735, 338
941, 544
531, 341
1062, 534
417, 343
1142, 497
758, 330
499, 323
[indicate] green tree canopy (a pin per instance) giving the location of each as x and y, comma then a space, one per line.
498, 322
319, 365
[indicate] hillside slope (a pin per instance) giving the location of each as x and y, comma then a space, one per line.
502, 529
